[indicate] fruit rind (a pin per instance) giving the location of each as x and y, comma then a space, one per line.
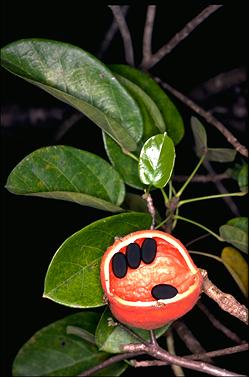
155, 313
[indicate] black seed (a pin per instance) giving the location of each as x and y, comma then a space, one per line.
133, 255
148, 250
163, 291
119, 265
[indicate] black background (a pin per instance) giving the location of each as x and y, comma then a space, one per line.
33, 228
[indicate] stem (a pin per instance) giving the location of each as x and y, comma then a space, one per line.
160, 354
225, 301
196, 239
179, 193
163, 222
166, 199
130, 154
177, 370
225, 351
180, 36
206, 255
125, 33
207, 116
170, 189
148, 30
110, 361
153, 338
200, 226
211, 197
218, 325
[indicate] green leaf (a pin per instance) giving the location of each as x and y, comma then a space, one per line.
200, 136
237, 266
171, 116
239, 222
235, 232
156, 161
73, 276
62, 172
125, 165
53, 352
201, 148
76, 77
243, 178
220, 154
110, 337
144, 100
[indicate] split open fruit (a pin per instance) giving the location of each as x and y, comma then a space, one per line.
149, 279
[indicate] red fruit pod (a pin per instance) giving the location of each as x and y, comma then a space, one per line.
149, 279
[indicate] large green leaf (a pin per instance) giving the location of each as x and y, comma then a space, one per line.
171, 116
235, 232
237, 266
110, 337
143, 99
73, 277
53, 352
125, 165
62, 172
157, 160
79, 79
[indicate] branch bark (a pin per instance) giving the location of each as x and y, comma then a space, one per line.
148, 30
207, 116
225, 301
158, 353
202, 178
190, 340
216, 353
218, 325
111, 32
181, 35
125, 32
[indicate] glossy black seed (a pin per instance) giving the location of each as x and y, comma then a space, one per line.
119, 265
163, 291
148, 251
133, 255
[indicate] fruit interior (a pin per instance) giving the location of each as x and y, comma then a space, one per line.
168, 267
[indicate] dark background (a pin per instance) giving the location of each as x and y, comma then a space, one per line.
33, 228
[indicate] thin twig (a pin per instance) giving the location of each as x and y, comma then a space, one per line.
148, 30
177, 370
67, 124
221, 82
225, 301
218, 325
226, 351
222, 189
197, 239
108, 362
189, 339
153, 338
111, 32
132, 333
151, 208
203, 178
207, 116
181, 35
161, 354
223, 352
125, 33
